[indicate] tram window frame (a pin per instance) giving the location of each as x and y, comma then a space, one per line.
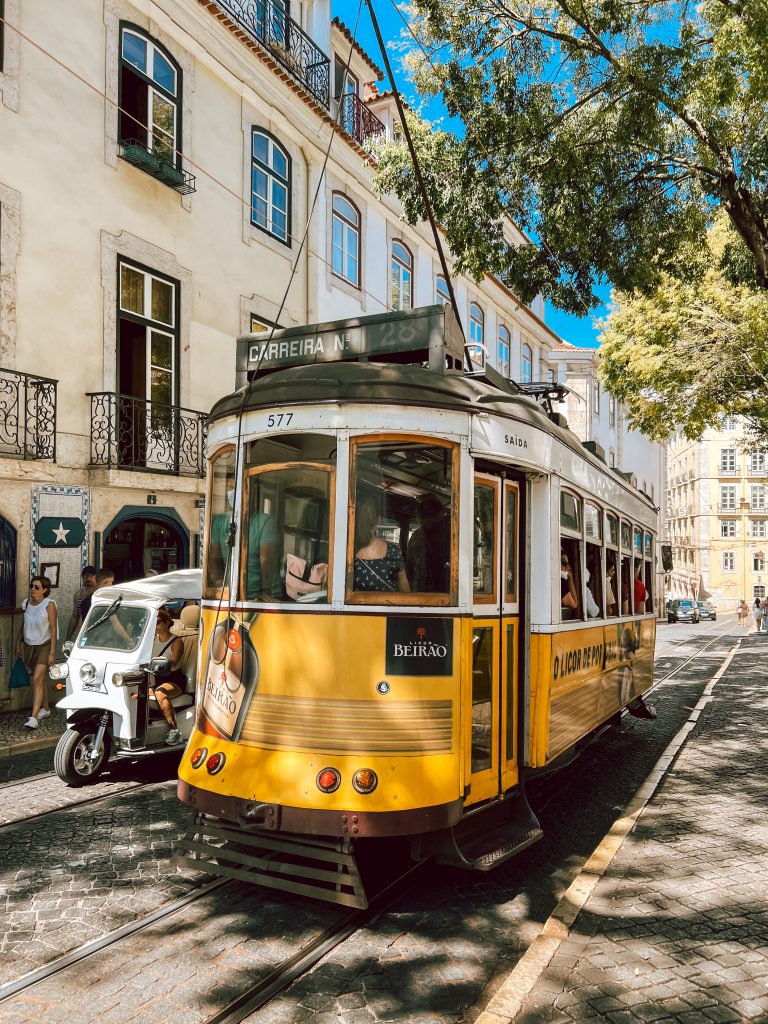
486, 483
284, 600
447, 599
593, 545
511, 570
571, 539
612, 561
624, 571
217, 590
648, 552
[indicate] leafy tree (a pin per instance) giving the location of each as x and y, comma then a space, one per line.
691, 350
610, 130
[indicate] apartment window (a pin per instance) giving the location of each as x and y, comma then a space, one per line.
596, 393
441, 291
345, 246
757, 497
728, 497
729, 561
728, 460
757, 528
270, 186
504, 350
401, 277
758, 591
526, 364
147, 335
344, 84
611, 411
757, 462
150, 89
728, 423
758, 561
612, 458
476, 334
727, 527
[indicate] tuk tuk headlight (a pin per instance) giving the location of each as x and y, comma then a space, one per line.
59, 671
87, 672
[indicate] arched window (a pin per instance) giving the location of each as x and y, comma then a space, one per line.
441, 291
270, 186
150, 87
526, 365
345, 247
504, 349
7, 564
476, 342
401, 277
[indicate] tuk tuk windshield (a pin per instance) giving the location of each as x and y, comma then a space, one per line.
121, 630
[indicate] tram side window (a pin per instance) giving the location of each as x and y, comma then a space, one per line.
484, 549
221, 499
594, 562
626, 577
648, 572
570, 557
611, 565
401, 529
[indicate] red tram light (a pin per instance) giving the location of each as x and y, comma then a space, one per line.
215, 763
328, 780
199, 756
234, 642
365, 780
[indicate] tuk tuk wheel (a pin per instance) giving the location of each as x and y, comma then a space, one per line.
72, 760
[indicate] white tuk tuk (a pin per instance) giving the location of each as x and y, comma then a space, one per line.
110, 672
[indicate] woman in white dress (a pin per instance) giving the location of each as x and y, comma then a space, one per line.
37, 643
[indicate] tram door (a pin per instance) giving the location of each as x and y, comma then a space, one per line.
495, 633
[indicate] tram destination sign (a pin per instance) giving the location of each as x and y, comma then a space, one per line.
427, 334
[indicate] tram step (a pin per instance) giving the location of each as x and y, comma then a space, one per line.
486, 838
323, 869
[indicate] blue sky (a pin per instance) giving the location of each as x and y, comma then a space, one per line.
576, 330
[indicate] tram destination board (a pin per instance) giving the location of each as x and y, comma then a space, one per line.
427, 334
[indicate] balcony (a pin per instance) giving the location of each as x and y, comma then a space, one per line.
729, 471
136, 434
357, 120
27, 415
268, 23
136, 153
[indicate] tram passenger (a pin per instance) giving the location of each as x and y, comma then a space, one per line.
427, 559
171, 647
640, 593
610, 589
569, 599
593, 608
262, 576
379, 565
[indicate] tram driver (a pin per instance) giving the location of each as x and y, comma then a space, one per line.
379, 564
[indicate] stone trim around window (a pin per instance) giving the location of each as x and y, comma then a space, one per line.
116, 11
136, 250
10, 246
9, 76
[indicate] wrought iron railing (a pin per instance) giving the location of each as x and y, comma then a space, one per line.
137, 153
357, 120
268, 22
27, 415
134, 433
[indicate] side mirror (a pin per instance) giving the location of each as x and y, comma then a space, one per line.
666, 557
69, 646
160, 666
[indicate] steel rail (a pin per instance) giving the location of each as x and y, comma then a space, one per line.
131, 788
687, 661
88, 949
310, 954
29, 778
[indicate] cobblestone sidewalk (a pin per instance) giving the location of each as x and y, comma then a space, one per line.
15, 739
676, 930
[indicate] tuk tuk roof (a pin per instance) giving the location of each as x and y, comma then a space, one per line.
181, 585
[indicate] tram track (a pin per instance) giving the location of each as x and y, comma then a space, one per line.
22, 819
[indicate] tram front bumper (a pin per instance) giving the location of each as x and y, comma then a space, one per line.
280, 818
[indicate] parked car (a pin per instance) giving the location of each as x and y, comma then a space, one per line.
683, 610
706, 611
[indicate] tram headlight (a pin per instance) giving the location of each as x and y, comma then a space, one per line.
328, 780
87, 672
365, 780
198, 756
215, 763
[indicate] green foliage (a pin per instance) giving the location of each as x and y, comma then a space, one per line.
690, 351
612, 131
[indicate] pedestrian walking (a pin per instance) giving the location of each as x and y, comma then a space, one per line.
764, 604
36, 645
757, 614
742, 611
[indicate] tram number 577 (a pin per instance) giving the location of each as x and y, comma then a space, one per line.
279, 419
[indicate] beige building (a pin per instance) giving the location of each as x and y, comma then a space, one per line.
717, 516
158, 162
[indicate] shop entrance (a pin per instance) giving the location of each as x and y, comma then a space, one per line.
137, 544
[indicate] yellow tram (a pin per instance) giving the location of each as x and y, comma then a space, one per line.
420, 590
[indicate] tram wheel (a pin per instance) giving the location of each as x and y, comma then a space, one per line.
72, 761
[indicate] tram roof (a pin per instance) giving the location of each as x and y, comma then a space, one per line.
397, 385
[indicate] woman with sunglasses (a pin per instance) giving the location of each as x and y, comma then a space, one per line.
37, 643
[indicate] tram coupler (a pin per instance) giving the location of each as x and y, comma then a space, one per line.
639, 709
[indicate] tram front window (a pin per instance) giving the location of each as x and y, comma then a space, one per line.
221, 500
402, 527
